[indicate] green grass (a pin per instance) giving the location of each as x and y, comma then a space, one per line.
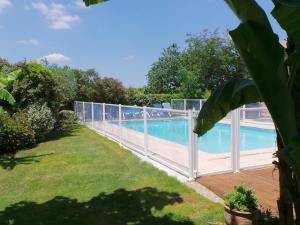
81, 178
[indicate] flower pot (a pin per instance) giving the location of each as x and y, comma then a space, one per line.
233, 217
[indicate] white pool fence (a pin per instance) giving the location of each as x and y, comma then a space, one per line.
152, 133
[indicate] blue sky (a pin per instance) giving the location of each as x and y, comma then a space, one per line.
120, 38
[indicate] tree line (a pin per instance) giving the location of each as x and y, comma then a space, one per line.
209, 59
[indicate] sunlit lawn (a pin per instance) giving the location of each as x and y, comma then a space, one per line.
81, 178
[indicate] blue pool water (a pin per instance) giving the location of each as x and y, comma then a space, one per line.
217, 140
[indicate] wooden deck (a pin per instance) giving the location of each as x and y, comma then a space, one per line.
263, 181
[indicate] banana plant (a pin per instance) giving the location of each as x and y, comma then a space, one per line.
5, 80
275, 72
92, 2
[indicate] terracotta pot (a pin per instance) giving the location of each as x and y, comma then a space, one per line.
233, 217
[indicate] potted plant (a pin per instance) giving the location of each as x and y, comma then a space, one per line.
240, 206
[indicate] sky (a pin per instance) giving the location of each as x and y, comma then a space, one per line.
120, 38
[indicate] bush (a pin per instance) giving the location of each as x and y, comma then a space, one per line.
241, 199
40, 118
15, 133
36, 84
67, 119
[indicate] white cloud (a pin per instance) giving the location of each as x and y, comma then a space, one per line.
4, 4
129, 57
57, 14
79, 4
32, 42
55, 58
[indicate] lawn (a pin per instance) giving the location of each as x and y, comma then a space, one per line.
81, 178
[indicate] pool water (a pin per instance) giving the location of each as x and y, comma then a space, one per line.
217, 140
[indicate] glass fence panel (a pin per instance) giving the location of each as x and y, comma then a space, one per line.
79, 111
257, 137
88, 113
193, 104
186, 104
168, 137
133, 127
177, 104
111, 124
215, 148
98, 116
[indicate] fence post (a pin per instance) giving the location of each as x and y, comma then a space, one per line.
145, 130
83, 112
195, 145
184, 104
120, 124
192, 147
92, 114
235, 140
244, 112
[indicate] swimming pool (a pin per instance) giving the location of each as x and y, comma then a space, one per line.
217, 140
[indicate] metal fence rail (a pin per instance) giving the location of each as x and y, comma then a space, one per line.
166, 136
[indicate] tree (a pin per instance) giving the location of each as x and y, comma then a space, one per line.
109, 90
209, 60
91, 87
213, 60
66, 84
189, 84
163, 75
85, 81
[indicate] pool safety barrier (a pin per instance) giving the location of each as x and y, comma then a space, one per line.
243, 139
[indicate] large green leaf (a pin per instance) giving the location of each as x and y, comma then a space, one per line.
294, 64
264, 57
249, 10
6, 96
289, 2
289, 19
92, 2
6, 79
227, 97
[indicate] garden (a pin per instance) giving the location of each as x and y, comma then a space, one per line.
55, 171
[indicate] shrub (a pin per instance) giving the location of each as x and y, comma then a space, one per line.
15, 133
241, 199
40, 118
67, 119
36, 84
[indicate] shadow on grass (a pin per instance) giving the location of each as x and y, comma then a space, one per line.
9, 162
57, 134
120, 207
